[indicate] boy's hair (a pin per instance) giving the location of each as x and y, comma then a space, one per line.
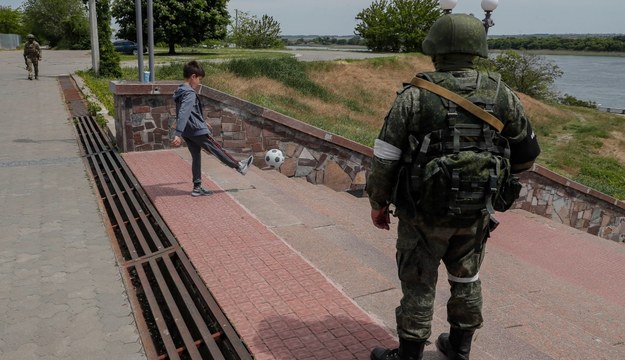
193, 68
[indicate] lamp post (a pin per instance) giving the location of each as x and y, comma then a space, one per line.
487, 5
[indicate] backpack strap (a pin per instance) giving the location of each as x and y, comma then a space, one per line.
460, 101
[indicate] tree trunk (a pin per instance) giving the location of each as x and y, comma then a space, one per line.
172, 47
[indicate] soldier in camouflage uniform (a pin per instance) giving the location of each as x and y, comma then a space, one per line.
454, 43
32, 56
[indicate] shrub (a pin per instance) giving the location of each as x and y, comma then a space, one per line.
527, 73
570, 100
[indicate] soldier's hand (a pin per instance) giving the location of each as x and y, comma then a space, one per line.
381, 218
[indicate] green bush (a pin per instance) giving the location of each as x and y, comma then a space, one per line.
567, 99
530, 74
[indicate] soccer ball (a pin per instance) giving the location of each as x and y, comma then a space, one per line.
274, 158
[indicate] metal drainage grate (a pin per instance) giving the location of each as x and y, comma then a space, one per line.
179, 318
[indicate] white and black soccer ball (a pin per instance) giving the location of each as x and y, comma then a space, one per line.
274, 158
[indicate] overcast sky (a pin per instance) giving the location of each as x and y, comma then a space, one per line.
337, 17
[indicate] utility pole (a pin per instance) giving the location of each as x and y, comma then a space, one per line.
139, 26
151, 38
95, 44
235, 32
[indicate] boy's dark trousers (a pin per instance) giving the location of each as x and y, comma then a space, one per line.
196, 144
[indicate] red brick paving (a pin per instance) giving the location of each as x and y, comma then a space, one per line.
282, 307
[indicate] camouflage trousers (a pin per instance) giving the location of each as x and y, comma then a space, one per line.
32, 64
420, 249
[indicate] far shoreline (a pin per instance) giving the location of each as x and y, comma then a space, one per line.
563, 52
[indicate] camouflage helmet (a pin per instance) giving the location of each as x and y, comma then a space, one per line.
456, 34
30, 36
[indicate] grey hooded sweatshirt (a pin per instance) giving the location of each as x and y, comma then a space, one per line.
190, 117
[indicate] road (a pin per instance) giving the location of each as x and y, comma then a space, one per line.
56, 62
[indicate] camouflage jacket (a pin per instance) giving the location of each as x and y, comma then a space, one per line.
32, 50
418, 112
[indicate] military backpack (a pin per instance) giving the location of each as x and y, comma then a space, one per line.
458, 167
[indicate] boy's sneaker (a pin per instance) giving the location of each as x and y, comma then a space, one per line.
200, 191
244, 165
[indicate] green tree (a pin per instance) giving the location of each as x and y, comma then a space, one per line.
176, 22
109, 58
527, 73
254, 33
51, 19
11, 21
75, 33
559, 42
396, 25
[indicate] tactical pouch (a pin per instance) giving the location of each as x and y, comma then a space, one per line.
457, 185
508, 194
402, 196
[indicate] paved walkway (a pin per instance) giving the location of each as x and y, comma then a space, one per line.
61, 294
551, 292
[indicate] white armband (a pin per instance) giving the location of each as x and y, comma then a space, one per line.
386, 151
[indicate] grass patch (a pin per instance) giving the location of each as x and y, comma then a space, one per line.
587, 130
162, 56
99, 88
288, 71
603, 174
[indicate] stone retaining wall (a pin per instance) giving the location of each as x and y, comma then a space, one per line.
145, 114
555, 197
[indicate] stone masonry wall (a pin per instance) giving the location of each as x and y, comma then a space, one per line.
146, 114
145, 117
562, 200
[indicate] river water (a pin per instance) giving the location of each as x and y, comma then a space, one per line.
597, 78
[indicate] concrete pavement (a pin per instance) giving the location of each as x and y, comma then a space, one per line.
62, 295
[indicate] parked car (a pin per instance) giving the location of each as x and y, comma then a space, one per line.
126, 47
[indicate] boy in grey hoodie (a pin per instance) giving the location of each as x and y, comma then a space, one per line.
191, 127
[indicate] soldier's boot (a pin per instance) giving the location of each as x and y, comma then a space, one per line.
408, 350
456, 345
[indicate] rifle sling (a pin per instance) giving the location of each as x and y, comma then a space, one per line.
460, 101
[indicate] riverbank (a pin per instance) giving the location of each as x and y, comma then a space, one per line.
544, 52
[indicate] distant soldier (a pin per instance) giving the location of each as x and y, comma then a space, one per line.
32, 56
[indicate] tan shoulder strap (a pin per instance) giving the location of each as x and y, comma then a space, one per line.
460, 101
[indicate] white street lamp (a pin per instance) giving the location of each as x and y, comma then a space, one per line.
489, 5
448, 5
